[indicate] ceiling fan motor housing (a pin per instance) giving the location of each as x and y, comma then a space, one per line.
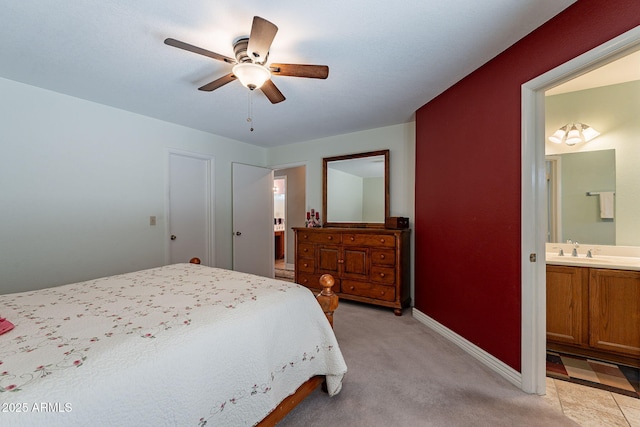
240, 46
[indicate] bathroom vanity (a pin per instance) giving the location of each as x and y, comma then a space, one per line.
593, 306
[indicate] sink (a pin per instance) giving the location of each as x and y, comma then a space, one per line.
596, 260
569, 258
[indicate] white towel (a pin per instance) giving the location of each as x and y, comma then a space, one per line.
606, 204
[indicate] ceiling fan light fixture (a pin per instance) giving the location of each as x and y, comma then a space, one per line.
252, 76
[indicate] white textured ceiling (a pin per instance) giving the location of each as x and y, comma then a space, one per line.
386, 59
625, 69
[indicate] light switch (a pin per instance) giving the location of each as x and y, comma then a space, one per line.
152, 220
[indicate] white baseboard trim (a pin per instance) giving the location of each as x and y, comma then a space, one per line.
496, 365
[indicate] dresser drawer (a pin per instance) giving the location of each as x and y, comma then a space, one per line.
375, 240
370, 290
383, 257
306, 265
313, 281
306, 250
321, 237
308, 280
386, 275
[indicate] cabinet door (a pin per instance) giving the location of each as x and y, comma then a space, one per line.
329, 260
567, 305
355, 262
614, 311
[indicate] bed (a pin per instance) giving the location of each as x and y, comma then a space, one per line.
182, 344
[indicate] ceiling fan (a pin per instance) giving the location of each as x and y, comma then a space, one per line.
249, 65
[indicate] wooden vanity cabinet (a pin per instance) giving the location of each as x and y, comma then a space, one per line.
594, 312
368, 265
567, 305
614, 311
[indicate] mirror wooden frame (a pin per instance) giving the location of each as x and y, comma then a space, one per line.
325, 164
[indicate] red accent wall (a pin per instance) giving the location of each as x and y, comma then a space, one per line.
467, 225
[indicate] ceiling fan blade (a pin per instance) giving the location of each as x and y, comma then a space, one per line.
260, 39
198, 50
218, 82
300, 70
272, 92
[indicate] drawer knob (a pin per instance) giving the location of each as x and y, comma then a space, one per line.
381, 256
305, 236
352, 287
306, 265
340, 261
353, 238
330, 237
381, 240
381, 274
305, 250
382, 293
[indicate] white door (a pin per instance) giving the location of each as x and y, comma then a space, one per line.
253, 250
190, 215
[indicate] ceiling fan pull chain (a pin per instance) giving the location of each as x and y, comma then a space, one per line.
250, 108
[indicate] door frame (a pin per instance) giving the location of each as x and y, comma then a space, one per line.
306, 197
284, 178
210, 231
533, 200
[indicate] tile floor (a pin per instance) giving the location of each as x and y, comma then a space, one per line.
592, 407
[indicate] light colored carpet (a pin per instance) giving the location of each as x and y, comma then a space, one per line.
403, 374
284, 274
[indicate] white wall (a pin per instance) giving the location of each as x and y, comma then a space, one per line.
79, 180
399, 139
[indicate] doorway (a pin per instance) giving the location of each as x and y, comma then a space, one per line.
279, 222
533, 200
294, 214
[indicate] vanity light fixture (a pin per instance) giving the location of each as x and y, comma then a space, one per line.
573, 134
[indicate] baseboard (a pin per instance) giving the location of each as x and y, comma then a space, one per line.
496, 365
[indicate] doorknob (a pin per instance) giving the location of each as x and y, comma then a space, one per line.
238, 233
173, 237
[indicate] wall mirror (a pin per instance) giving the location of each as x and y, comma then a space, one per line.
355, 190
575, 181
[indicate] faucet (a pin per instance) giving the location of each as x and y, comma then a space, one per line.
589, 254
561, 253
574, 252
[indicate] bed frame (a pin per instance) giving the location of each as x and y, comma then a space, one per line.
328, 300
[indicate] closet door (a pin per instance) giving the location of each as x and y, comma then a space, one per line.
190, 217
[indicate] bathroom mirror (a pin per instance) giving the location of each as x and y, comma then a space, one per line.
355, 190
575, 182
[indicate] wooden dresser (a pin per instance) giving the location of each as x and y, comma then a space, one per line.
369, 265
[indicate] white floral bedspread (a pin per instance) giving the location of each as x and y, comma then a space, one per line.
183, 345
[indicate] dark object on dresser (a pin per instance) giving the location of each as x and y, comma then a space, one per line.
368, 265
396, 222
